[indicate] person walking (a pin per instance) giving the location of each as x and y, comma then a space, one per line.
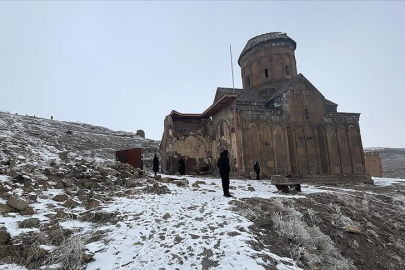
155, 164
224, 169
256, 167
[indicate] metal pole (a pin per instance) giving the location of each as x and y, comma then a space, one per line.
235, 120
233, 83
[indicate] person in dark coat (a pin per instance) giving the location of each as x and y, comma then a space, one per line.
141, 162
182, 167
256, 167
224, 169
155, 164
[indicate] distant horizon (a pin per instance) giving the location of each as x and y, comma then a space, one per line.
146, 136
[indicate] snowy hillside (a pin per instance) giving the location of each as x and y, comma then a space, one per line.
65, 203
41, 140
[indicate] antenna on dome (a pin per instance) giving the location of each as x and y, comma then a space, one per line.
233, 83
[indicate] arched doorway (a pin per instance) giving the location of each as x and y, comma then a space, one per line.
182, 167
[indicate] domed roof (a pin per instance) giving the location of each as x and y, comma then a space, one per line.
265, 37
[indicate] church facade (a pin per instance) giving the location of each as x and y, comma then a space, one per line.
279, 119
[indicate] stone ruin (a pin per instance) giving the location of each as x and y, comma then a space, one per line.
373, 164
140, 133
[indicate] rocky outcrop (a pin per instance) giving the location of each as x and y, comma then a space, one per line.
77, 182
4, 236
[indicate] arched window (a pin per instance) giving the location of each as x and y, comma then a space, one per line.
287, 70
221, 130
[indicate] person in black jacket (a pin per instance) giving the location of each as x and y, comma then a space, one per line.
155, 164
256, 167
182, 167
224, 169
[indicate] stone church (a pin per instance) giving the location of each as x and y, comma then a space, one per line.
279, 119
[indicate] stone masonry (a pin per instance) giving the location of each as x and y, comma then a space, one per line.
279, 119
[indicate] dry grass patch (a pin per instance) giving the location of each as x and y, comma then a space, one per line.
295, 231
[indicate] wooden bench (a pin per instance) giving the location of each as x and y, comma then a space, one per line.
284, 183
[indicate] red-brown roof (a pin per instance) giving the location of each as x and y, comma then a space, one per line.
224, 101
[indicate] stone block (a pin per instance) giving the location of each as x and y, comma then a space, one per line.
4, 236
29, 223
61, 197
130, 183
70, 204
17, 203
4, 208
29, 211
93, 205
166, 180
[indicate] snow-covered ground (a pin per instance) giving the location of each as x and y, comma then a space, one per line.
190, 228
386, 181
200, 230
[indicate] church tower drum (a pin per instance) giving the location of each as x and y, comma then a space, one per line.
267, 62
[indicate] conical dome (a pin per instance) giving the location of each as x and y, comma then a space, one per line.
274, 36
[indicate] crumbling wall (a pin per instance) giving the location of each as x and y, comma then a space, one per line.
140, 133
373, 163
224, 137
186, 140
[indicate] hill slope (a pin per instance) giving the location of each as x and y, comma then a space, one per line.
65, 203
40, 139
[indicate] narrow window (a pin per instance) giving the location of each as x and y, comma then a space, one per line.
266, 73
306, 114
287, 70
221, 131
247, 81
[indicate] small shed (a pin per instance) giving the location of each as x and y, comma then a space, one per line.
132, 157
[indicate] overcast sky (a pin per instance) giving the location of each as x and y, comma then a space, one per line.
126, 65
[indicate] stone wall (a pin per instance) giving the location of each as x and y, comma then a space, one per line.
186, 140
300, 149
223, 137
266, 65
283, 143
373, 164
